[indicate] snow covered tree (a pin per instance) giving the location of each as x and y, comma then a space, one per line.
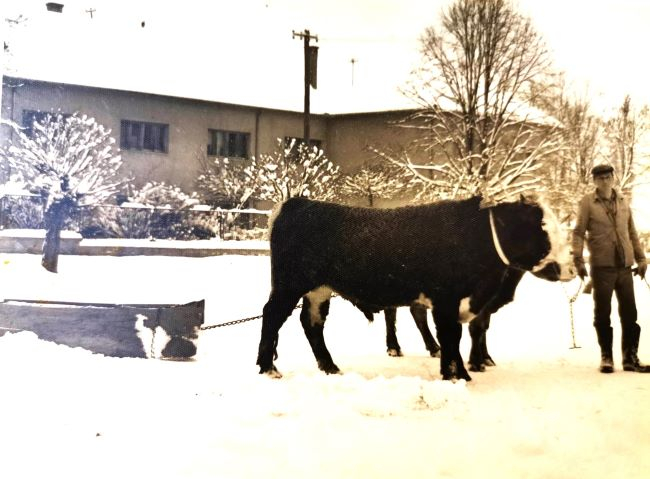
474, 90
292, 170
375, 180
625, 134
69, 161
225, 182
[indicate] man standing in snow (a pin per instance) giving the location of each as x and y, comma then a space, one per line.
613, 245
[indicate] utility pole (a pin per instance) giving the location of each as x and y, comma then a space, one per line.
353, 61
311, 58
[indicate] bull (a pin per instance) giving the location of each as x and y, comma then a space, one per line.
479, 356
449, 256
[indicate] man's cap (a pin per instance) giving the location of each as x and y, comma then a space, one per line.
602, 169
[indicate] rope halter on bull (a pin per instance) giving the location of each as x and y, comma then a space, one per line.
495, 240
504, 258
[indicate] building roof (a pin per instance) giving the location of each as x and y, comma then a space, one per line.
356, 107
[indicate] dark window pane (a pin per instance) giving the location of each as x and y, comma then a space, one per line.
141, 135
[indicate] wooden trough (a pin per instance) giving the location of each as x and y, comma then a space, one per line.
120, 330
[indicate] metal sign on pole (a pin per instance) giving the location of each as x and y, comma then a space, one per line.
311, 60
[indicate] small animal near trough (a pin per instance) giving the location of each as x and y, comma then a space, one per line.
120, 330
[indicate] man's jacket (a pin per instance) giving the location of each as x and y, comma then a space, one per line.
601, 235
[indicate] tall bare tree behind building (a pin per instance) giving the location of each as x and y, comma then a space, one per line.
474, 86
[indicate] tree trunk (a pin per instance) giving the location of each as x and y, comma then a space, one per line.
55, 215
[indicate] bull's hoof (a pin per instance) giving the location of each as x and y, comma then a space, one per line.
454, 377
455, 371
480, 368
271, 372
395, 353
329, 369
435, 354
488, 361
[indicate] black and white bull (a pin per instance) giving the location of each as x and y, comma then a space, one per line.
447, 255
479, 356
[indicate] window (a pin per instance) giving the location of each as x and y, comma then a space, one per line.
140, 135
231, 144
31, 116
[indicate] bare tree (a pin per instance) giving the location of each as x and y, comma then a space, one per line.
625, 133
474, 87
568, 177
69, 161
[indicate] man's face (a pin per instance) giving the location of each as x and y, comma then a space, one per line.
604, 180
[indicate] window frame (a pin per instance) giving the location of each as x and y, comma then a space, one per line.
144, 136
234, 144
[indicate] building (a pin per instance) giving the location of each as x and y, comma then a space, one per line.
163, 138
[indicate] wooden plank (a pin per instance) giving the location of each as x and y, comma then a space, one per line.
111, 329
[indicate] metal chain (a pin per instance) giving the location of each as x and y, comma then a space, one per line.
153, 338
572, 299
237, 321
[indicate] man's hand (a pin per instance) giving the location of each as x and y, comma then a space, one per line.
641, 269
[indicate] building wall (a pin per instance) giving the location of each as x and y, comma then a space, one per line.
349, 137
188, 120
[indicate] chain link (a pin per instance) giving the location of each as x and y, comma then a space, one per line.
572, 299
237, 321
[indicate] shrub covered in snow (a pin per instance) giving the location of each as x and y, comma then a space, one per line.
156, 210
294, 170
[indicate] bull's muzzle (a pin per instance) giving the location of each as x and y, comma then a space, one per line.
554, 271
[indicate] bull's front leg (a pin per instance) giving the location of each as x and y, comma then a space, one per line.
479, 356
445, 316
392, 345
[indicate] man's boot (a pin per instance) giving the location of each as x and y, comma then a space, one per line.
630, 344
605, 335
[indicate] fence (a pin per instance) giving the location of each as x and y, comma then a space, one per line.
130, 221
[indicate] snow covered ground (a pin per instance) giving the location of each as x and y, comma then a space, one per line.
543, 412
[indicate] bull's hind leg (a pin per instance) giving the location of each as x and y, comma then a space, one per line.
315, 307
392, 345
445, 315
276, 311
419, 313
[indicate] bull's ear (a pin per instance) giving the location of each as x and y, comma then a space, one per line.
522, 198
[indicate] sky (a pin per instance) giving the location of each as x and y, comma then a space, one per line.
243, 52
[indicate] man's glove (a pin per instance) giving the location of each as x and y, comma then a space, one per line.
581, 270
641, 269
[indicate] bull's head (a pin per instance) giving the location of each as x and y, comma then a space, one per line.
530, 237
